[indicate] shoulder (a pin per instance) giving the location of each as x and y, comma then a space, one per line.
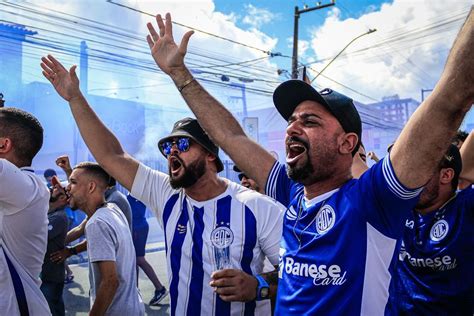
252, 198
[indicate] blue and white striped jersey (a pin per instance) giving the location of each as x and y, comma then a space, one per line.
435, 274
250, 221
337, 249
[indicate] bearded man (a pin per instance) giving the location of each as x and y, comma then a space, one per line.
206, 219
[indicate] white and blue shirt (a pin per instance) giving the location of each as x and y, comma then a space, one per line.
435, 274
249, 221
337, 250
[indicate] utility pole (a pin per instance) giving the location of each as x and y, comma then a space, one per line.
298, 12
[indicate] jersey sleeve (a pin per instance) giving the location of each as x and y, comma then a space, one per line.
384, 200
17, 188
279, 186
101, 241
270, 229
153, 189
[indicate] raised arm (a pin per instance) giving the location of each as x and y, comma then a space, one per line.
467, 155
99, 139
215, 119
429, 131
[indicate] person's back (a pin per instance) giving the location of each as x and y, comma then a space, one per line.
109, 238
23, 216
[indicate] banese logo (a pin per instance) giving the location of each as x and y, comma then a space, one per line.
439, 230
325, 219
321, 274
440, 263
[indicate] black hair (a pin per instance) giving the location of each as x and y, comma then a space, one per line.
460, 137
96, 171
25, 132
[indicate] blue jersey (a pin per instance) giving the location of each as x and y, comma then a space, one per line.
337, 250
435, 273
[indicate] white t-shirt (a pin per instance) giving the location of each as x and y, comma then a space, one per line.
249, 221
24, 201
109, 239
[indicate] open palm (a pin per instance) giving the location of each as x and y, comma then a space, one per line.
164, 50
65, 82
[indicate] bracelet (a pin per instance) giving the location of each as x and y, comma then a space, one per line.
186, 83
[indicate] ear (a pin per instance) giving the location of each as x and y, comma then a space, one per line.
348, 142
5, 145
92, 186
211, 158
446, 175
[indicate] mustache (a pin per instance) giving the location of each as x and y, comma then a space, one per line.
296, 139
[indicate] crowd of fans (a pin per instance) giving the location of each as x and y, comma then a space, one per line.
340, 238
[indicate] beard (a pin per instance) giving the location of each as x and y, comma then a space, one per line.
191, 174
324, 167
428, 196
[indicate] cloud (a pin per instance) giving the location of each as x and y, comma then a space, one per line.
406, 54
257, 17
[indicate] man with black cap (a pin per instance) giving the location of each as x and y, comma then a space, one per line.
340, 234
210, 224
434, 275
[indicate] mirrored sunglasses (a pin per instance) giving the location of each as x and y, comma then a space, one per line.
182, 143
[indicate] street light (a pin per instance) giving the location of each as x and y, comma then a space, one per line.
298, 12
338, 54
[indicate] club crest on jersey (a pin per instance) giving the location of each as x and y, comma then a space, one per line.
325, 219
222, 237
439, 230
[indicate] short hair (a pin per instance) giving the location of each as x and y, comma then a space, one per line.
25, 132
96, 171
49, 173
112, 182
460, 137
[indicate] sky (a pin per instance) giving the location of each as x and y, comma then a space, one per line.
405, 54
241, 50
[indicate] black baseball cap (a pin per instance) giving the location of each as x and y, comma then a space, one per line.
452, 159
291, 93
189, 127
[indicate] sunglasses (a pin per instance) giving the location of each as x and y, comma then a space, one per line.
182, 143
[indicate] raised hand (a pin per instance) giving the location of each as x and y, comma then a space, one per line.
167, 55
63, 163
65, 82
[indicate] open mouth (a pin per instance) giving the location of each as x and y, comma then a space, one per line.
175, 165
294, 151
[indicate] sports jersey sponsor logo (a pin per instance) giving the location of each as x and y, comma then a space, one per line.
410, 224
325, 219
440, 263
322, 274
439, 230
291, 213
222, 237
